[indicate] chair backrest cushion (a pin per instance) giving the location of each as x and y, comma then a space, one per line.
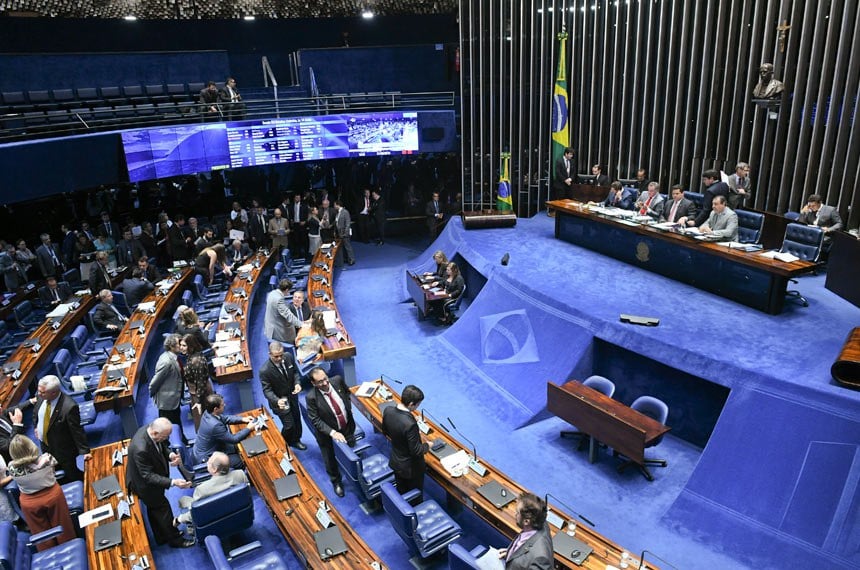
224, 513
803, 241
749, 226
603, 385
402, 515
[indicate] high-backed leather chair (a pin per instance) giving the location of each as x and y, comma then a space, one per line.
461, 559
804, 242
228, 561
365, 466
750, 225
15, 554
425, 528
224, 513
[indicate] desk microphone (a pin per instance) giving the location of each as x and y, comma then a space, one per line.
642, 560
573, 512
473, 462
438, 423
384, 377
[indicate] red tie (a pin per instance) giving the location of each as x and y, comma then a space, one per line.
341, 420
644, 209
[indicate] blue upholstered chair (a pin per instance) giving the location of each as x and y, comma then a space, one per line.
224, 513
804, 242
365, 466
451, 306
65, 368
425, 528
14, 554
696, 197
750, 225
26, 317
229, 561
91, 350
657, 410
461, 559
793, 216
603, 385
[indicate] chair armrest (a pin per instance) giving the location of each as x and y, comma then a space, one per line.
412, 497
44, 535
358, 449
244, 549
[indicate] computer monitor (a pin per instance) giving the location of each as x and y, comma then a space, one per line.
632, 182
586, 178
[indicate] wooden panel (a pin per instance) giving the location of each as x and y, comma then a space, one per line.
141, 342
846, 369
296, 517
843, 267
321, 281
465, 490
9, 302
134, 538
421, 296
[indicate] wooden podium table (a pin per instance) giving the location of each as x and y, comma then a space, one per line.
421, 296
465, 490
296, 517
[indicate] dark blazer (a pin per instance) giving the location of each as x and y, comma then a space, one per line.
66, 438
8, 430
114, 232
214, 435
407, 451
47, 296
716, 189
99, 278
276, 386
323, 418
626, 202
536, 553
602, 180
685, 208
176, 243
244, 253
198, 333
68, 248
129, 251
290, 212
377, 210
104, 316
257, 233
152, 275
561, 173
306, 310
148, 471
46, 263
136, 290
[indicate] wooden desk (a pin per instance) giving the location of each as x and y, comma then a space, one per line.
465, 490
123, 402
846, 369
134, 538
843, 269
9, 302
422, 297
299, 526
241, 371
603, 419
320, 282
745, 277
11, 391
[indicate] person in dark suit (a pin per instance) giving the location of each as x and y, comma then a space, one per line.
298, 215
532, 548
678, 207
619, 197
330, 411
258, 228
110, 229
364, 216
11, 424
825, 217
602, 179
57, 425
14, 276
136, 288
214, 435
150, 272
713, 187
129, 250
48, 257
407, 449
343, 224
642, 180
67, 247
174, 241
148, 477
106, 316
564, 172
281, 382
435, 215
238, 253
166, 385
377, 212
210, 99
99, 277
234, 108
53, 293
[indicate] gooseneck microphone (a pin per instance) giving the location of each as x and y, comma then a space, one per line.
573, 512
473, 462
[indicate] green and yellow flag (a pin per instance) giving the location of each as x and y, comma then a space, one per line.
560, 110
504, 200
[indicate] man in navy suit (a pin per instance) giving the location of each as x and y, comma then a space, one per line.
215, 435
136, 288
281, 383
407, 450
53, 293
713, 187
619, 197
678, 207
330, 412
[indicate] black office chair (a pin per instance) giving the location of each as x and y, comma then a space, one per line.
450, 308
805, 243
656, 410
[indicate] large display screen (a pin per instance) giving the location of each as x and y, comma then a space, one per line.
162, 152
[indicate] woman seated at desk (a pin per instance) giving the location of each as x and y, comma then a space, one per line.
441, 265
311, 338
453, 286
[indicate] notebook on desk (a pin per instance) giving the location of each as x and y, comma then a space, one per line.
496, 494
287, 487
107, 535
570, 548
441, 449
106, 486
329, 542
255, 446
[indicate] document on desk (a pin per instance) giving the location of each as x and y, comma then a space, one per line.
329, 318
147, 307
226, 348
491, 560
95, 515
780, 256
59, 311
456, 463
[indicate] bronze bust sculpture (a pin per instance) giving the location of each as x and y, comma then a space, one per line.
767, 87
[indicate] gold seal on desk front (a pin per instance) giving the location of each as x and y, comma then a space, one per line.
643, 252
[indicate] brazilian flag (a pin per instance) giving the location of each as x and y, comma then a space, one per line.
503, 200
560, 110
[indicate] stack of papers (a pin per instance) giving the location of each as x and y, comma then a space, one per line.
456, 463
781, 256
59, 311
228, 347
147, 307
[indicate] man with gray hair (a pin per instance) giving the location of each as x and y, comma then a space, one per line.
99, 277
57, 425
48, 258
739, 185
222, 479
106, 316
148, 476
280, 323
166, 386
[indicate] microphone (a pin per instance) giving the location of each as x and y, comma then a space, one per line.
473, 462
573, 512
642, 560
384, 377
438, 423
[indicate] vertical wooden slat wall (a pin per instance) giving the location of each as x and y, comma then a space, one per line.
665, 85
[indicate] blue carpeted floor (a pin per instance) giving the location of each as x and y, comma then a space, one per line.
550, 315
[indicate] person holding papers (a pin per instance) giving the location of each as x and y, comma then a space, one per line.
238, 253
279, 230
723, 222
531, 549
619, 197
407, 449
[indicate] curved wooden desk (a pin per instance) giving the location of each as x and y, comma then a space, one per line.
134, 539
296, 517
846, 369
241, 294
10, 301
122, 402
465, 490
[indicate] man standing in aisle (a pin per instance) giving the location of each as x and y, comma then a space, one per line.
330, 411
343, 224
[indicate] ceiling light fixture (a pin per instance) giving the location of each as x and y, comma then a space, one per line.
129, 18
249, 18
367, 14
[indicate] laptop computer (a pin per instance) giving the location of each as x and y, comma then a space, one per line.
496, 494
287, 487
106, 486
255, 446
108, 535
329, 542
570, 548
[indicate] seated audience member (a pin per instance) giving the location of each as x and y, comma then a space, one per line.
651, 202
215, 435
739, 185
54, 293
238, 253
723, 222
42, 500
678, 207
223, 477
453, 284
713, 187
825, 217
602, 179
106, 316
619, 197
441, 261
189, 323
210, 100
100, 273
234, 108
136, 288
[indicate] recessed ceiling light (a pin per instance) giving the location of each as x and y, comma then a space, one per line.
367, 14
129, 18
249, 18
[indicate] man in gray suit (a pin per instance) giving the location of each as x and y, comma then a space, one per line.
825, 217
723, 222
343, 224
650, 203
280, 323
222, 479
166, 385
532, 548
678, 207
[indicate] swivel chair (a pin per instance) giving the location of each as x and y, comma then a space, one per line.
15, 554
750, 225
805, 243
461, 559
656, 410
223, 514
367, 467
227, 561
